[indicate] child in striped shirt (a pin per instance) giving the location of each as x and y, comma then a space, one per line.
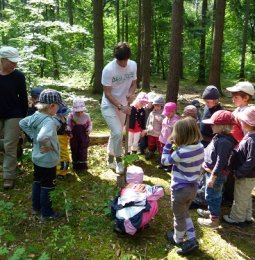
187, 157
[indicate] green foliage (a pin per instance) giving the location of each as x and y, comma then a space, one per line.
130, 159
19, 254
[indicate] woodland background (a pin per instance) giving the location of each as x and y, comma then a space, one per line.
69, 41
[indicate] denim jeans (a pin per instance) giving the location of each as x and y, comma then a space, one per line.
213, 195
115, 120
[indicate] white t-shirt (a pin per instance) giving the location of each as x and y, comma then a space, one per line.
120, 79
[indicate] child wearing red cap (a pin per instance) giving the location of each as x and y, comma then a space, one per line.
137, 123
241, 211
215, 165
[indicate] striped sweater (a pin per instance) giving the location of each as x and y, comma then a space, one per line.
187, 161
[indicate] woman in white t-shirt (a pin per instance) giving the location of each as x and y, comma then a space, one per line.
119, 84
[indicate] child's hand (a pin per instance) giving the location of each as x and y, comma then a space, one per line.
45, 149
143, 133
211, 181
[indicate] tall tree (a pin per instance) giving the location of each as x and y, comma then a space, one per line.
175, 51
139, 42
146, 50
244, 41
215, 69
201, 66
118, 19
98, 44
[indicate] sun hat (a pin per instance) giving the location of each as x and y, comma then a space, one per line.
78, 105
195, 103
244, 86
190, 110
248, 116
35, 92
151, 96
220, 117
142, 96
158, 100
211, 92
63, 109
10, 54
50, 96
168, 108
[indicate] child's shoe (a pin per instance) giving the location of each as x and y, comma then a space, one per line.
188, 246
210, 223
111, 165
54, 216
203, 213
170, 237
232, 221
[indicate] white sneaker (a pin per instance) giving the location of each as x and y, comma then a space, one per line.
119, 168
111, 165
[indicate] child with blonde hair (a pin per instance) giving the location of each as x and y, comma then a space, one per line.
79, 126
137, 122
187, 158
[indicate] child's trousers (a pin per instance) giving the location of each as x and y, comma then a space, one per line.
242, 205
63, 165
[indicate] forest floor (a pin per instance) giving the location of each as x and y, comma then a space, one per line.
87, 230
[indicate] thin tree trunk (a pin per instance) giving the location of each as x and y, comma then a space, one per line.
70, 10
98, 44
139, 44
118, 19
244, 43
201, 66
175, 51
126, 21
215, 70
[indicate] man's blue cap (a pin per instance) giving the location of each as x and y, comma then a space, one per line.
35, 92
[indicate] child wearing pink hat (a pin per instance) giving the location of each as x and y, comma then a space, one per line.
79, 126
241, 211
168, 123
137, 123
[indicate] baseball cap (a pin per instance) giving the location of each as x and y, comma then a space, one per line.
50, 96
10, 54
35, 92
248, 116
244, 86
169, 107
211, 92
78, 105
220, 117
158, 100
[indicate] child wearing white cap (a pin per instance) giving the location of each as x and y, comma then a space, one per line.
79, 125
241, 211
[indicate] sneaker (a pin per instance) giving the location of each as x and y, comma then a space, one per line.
207, 222
111, 165
55, 216
231, 221
188, 246
35, 212
8, 184
119, 168
203, 213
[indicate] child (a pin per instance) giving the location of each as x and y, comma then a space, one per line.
79, 126
63, 138
196, 103
33, 100
241, 211
211, 97
242, 94
137, 122
217, 155
154, 125
168, 122
187, 159
143, 142
41, 128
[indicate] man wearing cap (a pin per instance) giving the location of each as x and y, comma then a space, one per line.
119, 85
13, 107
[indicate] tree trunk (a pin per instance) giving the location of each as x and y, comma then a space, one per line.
56, 73
98, 44
139, 44
118, 19
201, 66
146, 18
175, 51
70, 10
215, 70
244, 42
126, 20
